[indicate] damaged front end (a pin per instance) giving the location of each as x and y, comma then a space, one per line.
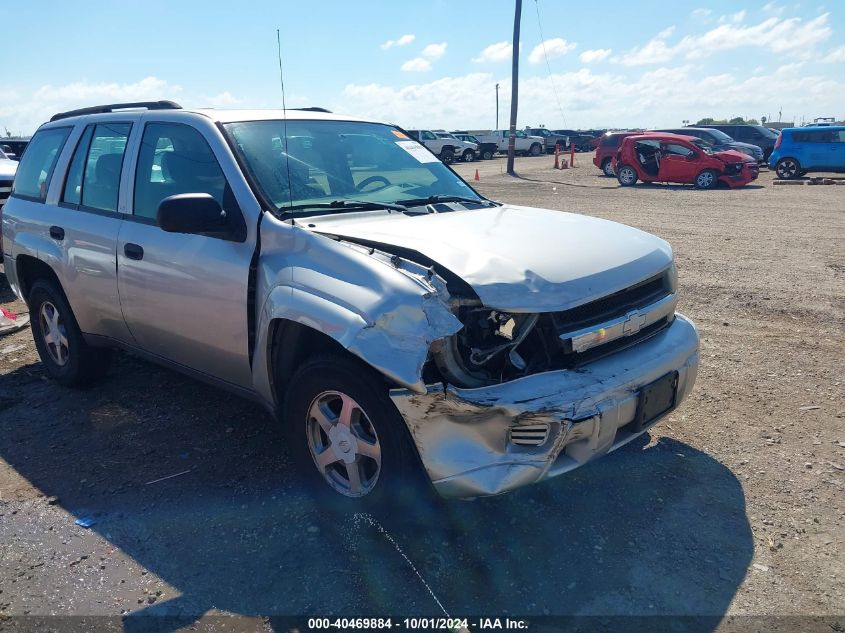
515, 398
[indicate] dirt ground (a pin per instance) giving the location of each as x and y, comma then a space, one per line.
733, 506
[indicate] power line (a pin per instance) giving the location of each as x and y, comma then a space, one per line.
548, 66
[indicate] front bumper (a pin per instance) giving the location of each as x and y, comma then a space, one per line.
464, 436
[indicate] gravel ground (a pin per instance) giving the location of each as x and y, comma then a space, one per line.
732, 506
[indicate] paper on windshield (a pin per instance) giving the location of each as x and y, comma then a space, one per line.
418, 151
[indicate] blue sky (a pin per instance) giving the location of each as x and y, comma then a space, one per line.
432, 63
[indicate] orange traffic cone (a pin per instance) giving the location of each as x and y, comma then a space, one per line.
476, 175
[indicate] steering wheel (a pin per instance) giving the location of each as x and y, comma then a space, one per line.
368, 181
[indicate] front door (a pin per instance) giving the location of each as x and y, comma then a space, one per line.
184, 297
677, 163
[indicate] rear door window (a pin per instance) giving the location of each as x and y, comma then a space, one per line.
101, 176
39, 161
73, 183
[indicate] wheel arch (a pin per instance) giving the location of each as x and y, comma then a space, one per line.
30, 269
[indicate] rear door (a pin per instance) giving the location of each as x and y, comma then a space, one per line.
837, 152
88, 220
184, 296
678, 163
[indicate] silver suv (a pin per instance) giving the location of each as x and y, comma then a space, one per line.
338, 273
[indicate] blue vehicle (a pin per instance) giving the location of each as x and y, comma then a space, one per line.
800, 150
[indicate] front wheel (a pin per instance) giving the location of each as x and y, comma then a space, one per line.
708, 179
626, 175
66, 357
607, 167
468, 156
788, 169
346, 435
536, 149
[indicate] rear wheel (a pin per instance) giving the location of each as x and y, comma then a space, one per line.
487, 154
536, 149
447, 156
788, 168
468, 156
347, 437
66, 357
626, 175
708, 179
607, 167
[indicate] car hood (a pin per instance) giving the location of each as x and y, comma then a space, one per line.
732, 156
516, 258
8, 168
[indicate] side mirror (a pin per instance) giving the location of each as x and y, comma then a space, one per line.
193, 213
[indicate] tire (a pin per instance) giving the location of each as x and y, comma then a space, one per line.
447, 156
607, 167
536, 149
486, 154
707, 179
387, 466
627, 176
788, 169
66, 357
468, 156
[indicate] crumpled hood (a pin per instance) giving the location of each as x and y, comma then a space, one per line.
733, 156
515, 258
8, 168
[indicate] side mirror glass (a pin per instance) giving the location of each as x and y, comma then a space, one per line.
194, 213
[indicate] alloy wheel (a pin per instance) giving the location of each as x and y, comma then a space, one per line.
54, 334
343, 444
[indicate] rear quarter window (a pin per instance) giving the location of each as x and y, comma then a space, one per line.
36, 167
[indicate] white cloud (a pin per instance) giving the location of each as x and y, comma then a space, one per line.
701, 14
400, 41
497, 52
775, 34
774, 9
595, 55
434, 51
221, 100
22, 111
555, 47
666, 33
836, 55
662, 96
417, 65
737, 17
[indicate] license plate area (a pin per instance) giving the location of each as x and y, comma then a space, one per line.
655, 399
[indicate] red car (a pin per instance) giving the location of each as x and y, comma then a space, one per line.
660, 157
606, 146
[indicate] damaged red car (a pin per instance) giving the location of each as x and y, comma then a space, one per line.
680, 159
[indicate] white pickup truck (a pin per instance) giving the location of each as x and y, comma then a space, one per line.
444, 145
524, 145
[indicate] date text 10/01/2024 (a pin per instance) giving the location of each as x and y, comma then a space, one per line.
457, 625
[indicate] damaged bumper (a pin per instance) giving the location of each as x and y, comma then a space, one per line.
486, 441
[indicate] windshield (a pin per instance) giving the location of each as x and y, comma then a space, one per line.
720, 136
329, 161
766, 131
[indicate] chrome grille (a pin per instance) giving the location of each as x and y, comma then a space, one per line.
5, 190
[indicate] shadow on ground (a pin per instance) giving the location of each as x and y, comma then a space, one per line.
650, 529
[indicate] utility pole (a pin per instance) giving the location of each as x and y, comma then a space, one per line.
514, 86
497, 106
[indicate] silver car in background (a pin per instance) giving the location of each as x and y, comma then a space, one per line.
335, 271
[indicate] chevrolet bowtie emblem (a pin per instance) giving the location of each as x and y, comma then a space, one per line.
633, 322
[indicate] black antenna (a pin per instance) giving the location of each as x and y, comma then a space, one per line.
284, 112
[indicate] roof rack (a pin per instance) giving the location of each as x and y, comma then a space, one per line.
313, 109
114, 107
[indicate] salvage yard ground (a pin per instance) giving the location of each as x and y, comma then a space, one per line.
733, 505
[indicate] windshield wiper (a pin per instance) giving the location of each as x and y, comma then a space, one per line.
435, 199
346, 205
